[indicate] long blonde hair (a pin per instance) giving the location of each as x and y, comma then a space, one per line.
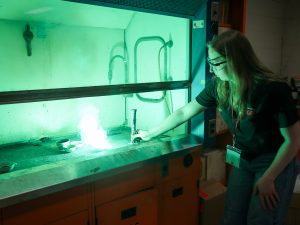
243, 68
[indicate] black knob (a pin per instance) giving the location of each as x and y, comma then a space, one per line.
187, 160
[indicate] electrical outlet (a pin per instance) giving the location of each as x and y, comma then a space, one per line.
214, 12
197, 24
212, 127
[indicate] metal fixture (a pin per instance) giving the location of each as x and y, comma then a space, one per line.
163, 77
28, 36
124, 60
126, 77
133, 126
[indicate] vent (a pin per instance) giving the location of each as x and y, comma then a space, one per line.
179, 8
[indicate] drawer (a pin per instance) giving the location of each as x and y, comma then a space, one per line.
123, 184
81, 218
48, 208
139, 208
178, 201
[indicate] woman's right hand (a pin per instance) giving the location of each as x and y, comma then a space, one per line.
144, 135
180, 116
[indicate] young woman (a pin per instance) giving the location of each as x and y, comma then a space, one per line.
263, 120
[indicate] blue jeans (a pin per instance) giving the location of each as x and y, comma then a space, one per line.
243, 207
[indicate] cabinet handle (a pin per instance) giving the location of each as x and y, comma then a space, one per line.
164, 169
187, 160
177, 192
127, 213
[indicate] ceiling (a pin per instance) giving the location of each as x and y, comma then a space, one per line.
63, 12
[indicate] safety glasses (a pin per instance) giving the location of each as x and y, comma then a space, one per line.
215, 65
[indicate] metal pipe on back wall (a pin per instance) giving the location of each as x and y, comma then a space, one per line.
137, 43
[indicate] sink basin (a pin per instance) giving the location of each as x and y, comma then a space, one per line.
43, 154
40, 153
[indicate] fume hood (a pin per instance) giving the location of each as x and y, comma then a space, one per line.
72, 71
81, 51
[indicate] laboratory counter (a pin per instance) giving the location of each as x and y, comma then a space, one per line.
41, 169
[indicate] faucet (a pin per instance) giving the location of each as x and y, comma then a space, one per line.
133, 127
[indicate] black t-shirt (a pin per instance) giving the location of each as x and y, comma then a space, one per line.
269, 108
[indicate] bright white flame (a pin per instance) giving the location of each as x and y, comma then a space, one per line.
93, 134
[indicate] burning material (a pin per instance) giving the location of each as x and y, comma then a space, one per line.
92, 134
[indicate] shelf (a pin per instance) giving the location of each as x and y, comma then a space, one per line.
233, 14
11, 97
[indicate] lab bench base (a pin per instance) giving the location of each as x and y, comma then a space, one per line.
164, 193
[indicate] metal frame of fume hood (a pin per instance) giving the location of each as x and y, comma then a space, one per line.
155, 8
11, 97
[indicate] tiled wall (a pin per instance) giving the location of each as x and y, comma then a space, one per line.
273, 28
291, 40
264, 28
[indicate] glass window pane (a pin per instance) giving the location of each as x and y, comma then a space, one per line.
98, 46
54, 119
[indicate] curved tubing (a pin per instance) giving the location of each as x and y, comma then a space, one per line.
110, 66
150, 38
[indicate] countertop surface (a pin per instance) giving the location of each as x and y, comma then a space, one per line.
42, 169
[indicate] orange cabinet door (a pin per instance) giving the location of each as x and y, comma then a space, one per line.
178, 201
124, 184
137, 209
47, 209
76, 219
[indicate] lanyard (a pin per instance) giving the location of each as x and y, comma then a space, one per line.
234, 125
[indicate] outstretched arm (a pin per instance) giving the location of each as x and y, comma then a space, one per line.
175, 119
